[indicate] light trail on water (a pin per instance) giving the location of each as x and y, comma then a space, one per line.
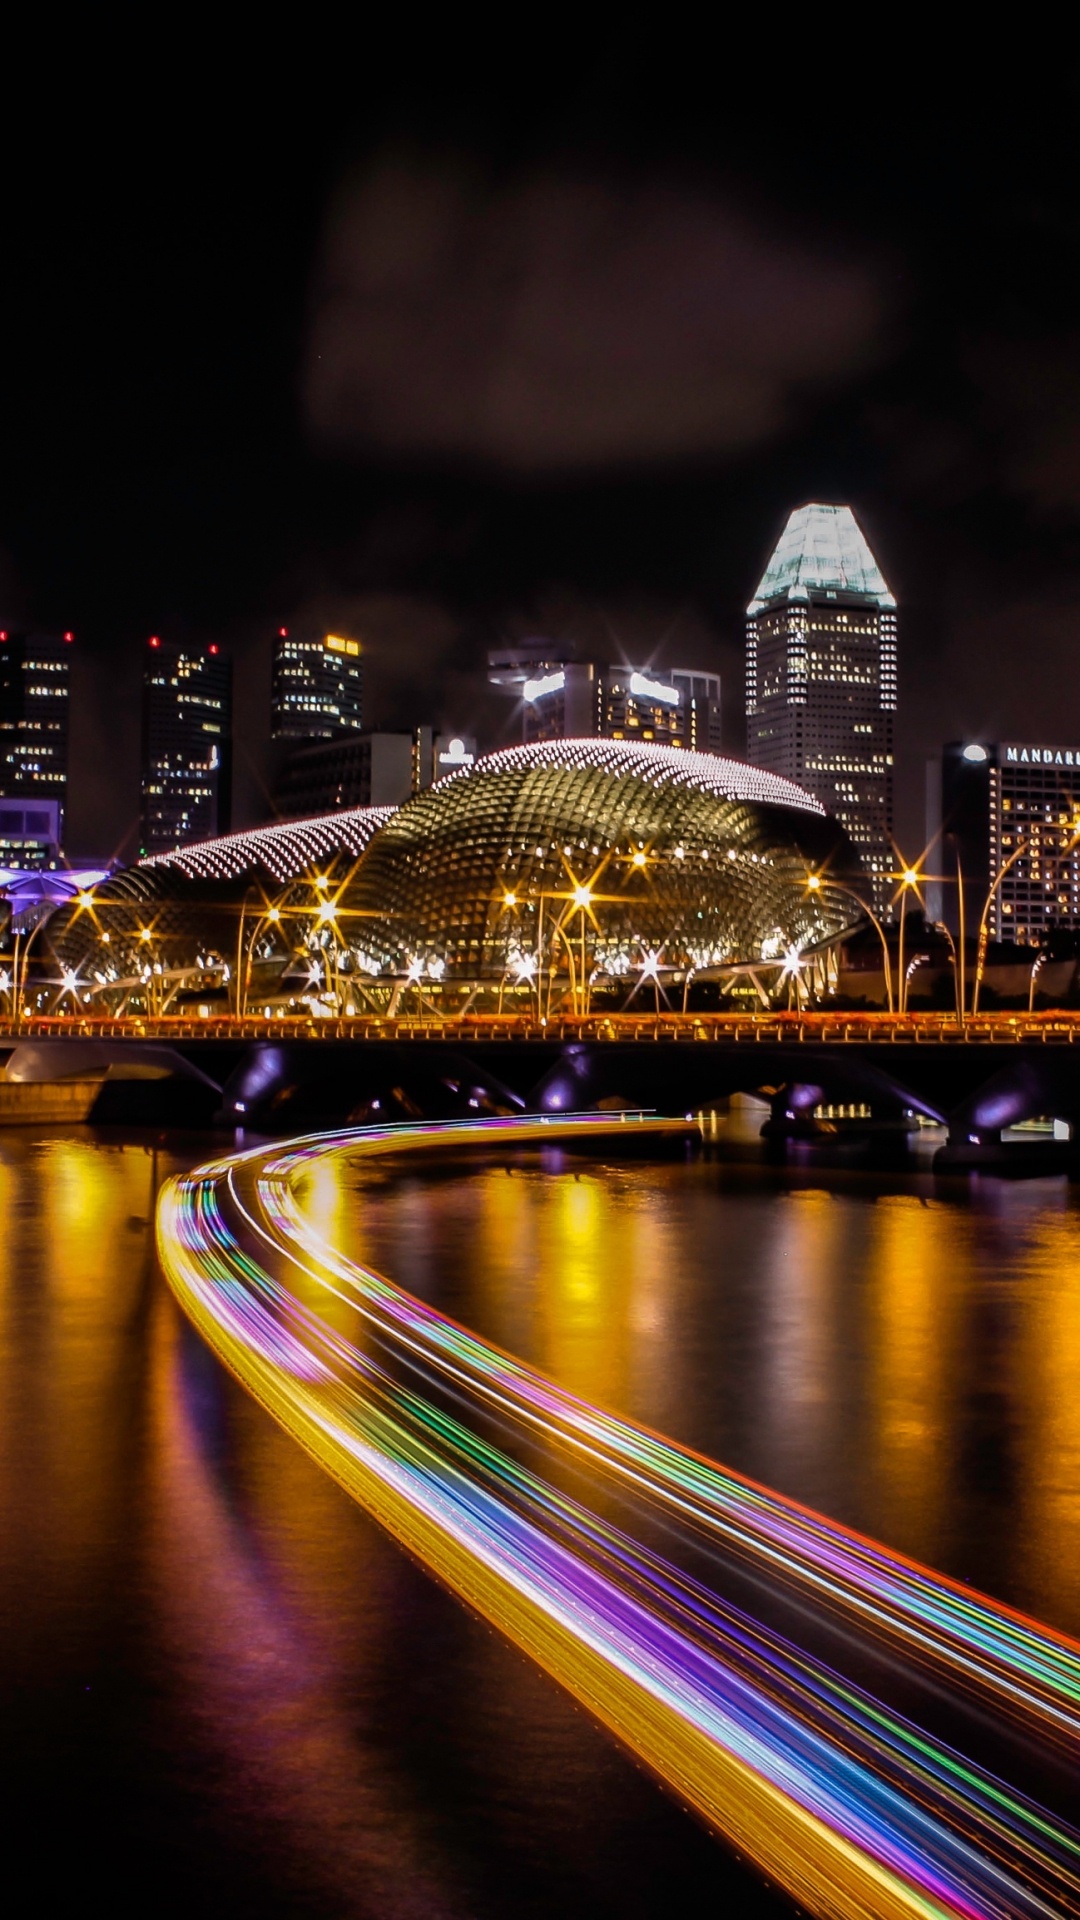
723, 1632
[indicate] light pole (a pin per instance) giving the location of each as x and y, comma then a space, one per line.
962, 972
239, 975
940, 927
1040, 962
909, 879
815, 882
984, 919
20, 972
271, 917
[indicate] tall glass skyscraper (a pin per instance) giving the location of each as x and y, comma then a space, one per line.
317, 686
186, 746
821, 678
34, 702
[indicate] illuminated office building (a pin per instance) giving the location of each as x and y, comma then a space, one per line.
366, 770
821, 678
34, 702
317, 686
186, 746
1018, 802
563, 698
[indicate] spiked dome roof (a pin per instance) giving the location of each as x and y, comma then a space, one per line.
822, 550
700, 858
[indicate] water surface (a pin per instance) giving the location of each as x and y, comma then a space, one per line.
222, 1684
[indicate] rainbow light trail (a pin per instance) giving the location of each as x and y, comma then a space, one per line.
599, 1547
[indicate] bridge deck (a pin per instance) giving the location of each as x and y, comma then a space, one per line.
720, 1029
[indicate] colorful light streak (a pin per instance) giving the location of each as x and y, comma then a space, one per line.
479, 1465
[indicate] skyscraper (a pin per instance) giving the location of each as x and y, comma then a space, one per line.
821, 678
1011, 810
34, 701
564, 698
186, 746
317, 686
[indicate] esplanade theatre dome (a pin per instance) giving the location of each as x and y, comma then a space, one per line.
614, 849
572, 863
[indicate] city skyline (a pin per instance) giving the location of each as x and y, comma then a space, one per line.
226, 432
540, 980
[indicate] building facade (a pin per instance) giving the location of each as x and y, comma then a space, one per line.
186, 778
435, 755
1012, 811
35, 696
821, 678
317, 686
352, 770
366, 770
564, 698
30, 834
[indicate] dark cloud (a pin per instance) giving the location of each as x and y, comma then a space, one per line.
1028, 407
561, 322
449, 363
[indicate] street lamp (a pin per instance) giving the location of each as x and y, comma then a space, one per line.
1040, 962
583, 902
272, 916
1021, 848
909, 878
815, 882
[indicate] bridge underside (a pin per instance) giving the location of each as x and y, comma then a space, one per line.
290, 1084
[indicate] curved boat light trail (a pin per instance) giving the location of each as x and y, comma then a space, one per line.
817, 1698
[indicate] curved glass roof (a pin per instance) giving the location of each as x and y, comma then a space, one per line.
283, 852
701, 859
657, 766
821, 550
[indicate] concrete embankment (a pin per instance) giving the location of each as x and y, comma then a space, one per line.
60, 1082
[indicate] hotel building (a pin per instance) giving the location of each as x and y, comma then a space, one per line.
1015, 805
563, 698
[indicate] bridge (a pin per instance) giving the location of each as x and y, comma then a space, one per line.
820, 1072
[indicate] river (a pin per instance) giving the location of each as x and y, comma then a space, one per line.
222, 1685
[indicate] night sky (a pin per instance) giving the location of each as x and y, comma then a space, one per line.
449, 346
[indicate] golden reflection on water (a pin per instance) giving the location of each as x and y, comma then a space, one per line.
905, 1360
802, 1264
76, 1270
918, 1285
913, 1368
1048, 1368
248, 1642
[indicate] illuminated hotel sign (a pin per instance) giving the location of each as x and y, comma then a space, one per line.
456, 756
551, 683
643, 688
1042, 756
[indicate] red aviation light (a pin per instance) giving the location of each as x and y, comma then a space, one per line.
69, 637
3, 636
212, 648
154, 641
283, 633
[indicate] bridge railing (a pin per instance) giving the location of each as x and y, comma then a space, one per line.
1060, 1028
